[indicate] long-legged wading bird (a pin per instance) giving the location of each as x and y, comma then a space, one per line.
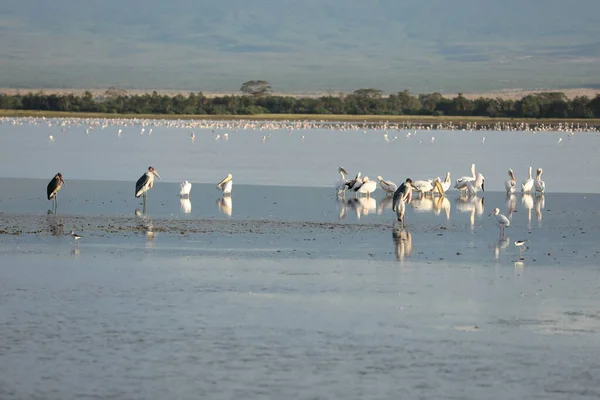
501, 219
402, 196
145, 183
226, 184
53, 188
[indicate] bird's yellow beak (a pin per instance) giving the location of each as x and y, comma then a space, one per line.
439, 187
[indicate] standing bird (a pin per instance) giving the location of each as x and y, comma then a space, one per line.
186, 187
461, 183
226, 184
474, 186
502, 220
340, 185
367, 187
75, 236
527, 184
145, 183
539, 184
510, 184
402, 196
53, 188
445, 183
388, 187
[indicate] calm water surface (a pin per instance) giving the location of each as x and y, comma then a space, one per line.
287, 291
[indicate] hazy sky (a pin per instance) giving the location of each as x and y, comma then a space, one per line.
300, 46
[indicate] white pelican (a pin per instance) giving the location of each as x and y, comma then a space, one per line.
53, 187
388, 187
510, 184
367, 187
423, 186
474, 186
445, 183
226, 184
539, 184
145, 183
340, 185
185, 189
527, 184
461, 183
355, 183
502, 220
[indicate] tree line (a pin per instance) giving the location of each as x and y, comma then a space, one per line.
360, 102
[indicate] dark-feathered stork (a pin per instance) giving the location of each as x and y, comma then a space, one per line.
53, 187
402, 195
145, 183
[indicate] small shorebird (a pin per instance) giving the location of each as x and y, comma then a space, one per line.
521, 244
76, 236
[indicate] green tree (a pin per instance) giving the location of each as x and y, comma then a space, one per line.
256, 88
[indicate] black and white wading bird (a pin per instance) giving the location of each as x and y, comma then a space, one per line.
145, 183
53, 187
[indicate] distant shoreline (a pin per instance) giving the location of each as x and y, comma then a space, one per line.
505, 94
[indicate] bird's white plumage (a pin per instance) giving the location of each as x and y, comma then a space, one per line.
185, 188
367, 187
388, 187
461, 183
527, 184
340, 184
226, 184
510, 184
539, 184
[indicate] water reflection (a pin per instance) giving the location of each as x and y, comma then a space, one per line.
75, 250
511, 205
385, 204
145, 224
502, 244
472, 204
442, 204
55, 225
225, 205
540, 203
185, 205
402, 242
527, 202
422, 203
341, 206
362, 206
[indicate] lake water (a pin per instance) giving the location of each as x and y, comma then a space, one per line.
284, 290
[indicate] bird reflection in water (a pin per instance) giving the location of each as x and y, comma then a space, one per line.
527, 202
341, 206
402, 241
145, 224
540, 203
55, 224
363, 206
473, 205
185, 205
511, 205
225, 205
75, 250
442, 204
502, 244
423, 203
385, 204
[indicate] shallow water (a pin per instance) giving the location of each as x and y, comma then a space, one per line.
289, 292
285, 159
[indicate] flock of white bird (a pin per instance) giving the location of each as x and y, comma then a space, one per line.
466, 186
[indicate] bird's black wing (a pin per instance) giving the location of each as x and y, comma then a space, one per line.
52, 187
398, 194
140, 184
